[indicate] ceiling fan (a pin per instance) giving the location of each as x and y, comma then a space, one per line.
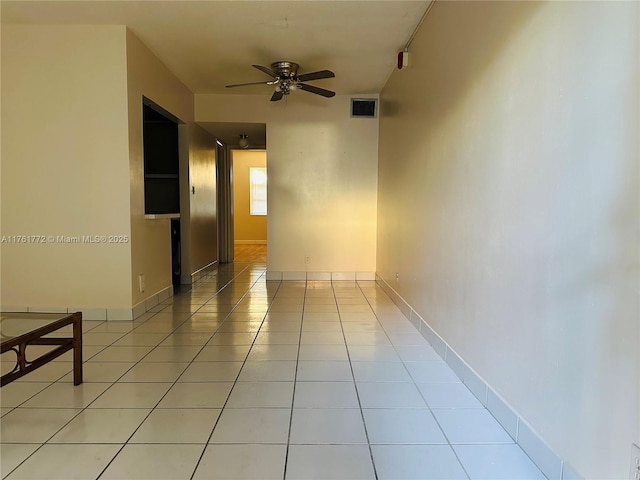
286, 79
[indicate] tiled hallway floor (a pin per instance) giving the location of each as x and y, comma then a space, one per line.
240, 378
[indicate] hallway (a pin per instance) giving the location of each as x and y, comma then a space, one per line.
243, 378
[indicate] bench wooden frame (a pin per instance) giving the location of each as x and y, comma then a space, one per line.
20, 343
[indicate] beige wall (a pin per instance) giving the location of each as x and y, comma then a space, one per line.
322, 178
65, 166
246, 227
508, 205
198, 217
150, 239
72, 112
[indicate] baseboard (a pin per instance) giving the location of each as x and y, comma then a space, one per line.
551, 465
250, 242
87, 313
319, 276
147, 304
206, 270
190, 279
109, 314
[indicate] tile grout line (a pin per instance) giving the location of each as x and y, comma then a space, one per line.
215, 424
355, 384
295, 381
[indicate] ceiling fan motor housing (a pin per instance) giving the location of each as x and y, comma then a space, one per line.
285, 69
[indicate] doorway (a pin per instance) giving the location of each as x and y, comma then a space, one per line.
249, 174
234, 137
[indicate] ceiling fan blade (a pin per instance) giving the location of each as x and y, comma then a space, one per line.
305, 77
316, 90
277, 96
266, 70
246, 84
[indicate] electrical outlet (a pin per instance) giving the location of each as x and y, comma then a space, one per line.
307, 259
397, 277
141, 282
634, 470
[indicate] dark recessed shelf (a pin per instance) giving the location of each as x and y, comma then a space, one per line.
161, 162
161, 175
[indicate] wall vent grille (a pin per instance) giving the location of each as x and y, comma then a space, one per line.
364, 107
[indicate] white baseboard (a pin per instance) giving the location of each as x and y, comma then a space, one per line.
120, 314
147, 304
14, 308
551, 465
250, 242
48, 309
319, 276
87, 313
274, 275
294, 276
206, 270
190, 279
109, 314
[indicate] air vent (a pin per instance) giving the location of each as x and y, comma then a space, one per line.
363, 107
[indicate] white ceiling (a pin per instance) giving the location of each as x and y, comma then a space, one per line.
208, 44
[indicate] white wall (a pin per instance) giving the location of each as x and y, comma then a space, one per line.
65, 166
508, 205
322, 178
150, 239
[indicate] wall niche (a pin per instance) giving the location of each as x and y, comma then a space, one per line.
161, 160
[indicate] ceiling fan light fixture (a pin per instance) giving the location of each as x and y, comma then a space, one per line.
244, 141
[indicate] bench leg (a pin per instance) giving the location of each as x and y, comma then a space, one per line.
77, 350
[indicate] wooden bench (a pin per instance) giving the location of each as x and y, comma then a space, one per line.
21, 330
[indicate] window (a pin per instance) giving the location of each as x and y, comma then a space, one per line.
258, 190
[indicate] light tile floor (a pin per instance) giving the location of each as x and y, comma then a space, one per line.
239, 378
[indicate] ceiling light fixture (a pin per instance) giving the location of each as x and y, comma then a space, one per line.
244, 141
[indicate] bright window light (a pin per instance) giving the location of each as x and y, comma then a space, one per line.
258, 190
